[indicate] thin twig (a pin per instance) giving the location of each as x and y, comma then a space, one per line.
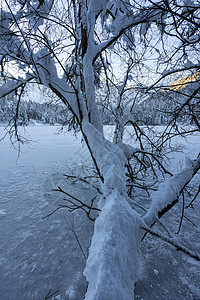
83, 180
190, 204
48, 296
182, 214
72, 229
190, 221
72, 206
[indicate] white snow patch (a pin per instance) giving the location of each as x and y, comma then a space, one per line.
71, 293
155, 272
2, 212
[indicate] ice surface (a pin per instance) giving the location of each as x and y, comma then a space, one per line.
46, 147
38, 255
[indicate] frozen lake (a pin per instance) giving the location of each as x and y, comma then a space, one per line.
40, 257
46, 147
33, 250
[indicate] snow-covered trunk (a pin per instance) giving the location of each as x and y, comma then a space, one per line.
88, 74
113, 264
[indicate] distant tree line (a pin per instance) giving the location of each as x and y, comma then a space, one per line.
30, 111
154, 109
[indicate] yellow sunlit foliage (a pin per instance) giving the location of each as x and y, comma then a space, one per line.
181, 83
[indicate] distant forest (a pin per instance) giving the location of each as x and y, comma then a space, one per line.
30, 112
154, 109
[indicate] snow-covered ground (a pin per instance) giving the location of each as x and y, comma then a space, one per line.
41, 257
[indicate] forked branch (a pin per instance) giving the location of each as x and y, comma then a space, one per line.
74, 204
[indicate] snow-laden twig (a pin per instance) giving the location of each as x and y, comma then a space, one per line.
13, 85
171, 241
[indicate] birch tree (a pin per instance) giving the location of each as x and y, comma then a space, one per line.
69, 47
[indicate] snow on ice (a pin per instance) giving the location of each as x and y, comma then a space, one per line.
40, 256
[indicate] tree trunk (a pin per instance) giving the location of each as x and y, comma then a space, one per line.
112, 267
113, 264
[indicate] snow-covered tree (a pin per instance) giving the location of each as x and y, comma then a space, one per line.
71, 47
